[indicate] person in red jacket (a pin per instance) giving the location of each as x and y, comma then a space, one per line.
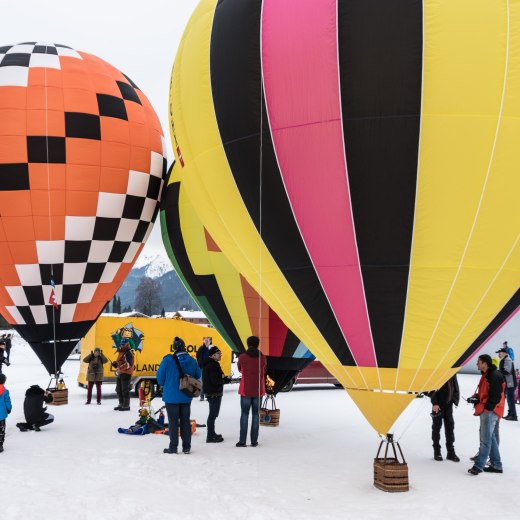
489, 407
252, 365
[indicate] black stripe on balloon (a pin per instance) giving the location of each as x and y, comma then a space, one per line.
507, 311
380, 55
40, 337
240, 110
203, 288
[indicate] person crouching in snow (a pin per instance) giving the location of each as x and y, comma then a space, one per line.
95, 373
35, 413
5, 409
213, 380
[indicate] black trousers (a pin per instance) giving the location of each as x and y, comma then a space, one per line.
179, 413
123, 389
446, 416
214, 409
2, 432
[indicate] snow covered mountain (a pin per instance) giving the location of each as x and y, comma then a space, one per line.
157, 266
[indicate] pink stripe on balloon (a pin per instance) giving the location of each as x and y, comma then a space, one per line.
301, 81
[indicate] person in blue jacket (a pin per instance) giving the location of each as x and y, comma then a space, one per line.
178, 404
5, 409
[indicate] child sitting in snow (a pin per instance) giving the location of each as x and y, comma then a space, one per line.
145, 424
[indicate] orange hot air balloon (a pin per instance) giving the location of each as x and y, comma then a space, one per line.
82, 165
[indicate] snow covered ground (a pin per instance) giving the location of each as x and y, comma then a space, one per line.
317, 465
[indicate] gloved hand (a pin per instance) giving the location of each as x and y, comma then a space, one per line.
226, 380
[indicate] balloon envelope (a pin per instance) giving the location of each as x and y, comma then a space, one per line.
235, 309
81, 170
358, 162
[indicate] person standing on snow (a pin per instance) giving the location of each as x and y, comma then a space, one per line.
442, 411
213, 380
95, 373
507, 369
178, 404
124, 365
252, 364
489, 407
5, 409
202, 355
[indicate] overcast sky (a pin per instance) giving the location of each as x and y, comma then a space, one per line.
140, 38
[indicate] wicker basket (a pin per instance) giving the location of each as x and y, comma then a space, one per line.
390, 474
59, 397
269, 414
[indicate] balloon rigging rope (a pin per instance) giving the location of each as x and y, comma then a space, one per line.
49, 204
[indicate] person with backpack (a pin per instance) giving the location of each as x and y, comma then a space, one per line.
507, 369
178, 403
202, 355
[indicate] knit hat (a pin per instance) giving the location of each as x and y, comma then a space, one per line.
97, 349
213, 350
178, 344
253, 341
3, 379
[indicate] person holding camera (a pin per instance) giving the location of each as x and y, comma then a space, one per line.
442, 411
213, 380
124, 365
178, 404
489, 404
34, 409
95, 373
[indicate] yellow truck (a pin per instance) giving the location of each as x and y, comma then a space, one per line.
157, 343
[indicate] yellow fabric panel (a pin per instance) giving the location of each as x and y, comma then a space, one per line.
380, 409
212, 189
467, 219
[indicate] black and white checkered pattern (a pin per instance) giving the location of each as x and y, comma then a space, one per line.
16, 60
94, 246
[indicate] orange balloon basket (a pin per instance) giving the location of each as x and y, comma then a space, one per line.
391, 473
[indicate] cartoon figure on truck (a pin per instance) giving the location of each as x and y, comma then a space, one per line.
156, 342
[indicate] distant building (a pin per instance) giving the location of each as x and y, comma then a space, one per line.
132, 314
197, 317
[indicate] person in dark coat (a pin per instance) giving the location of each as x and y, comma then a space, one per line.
34, 410
124, 365
213, 380
252, 365
95, 373
178, 404
3, 358
507, 369
8, 345
202, 355
442, 411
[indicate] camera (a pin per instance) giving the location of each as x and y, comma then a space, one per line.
473, 400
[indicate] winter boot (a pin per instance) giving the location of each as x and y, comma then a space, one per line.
452, 456
118, 407
125, 406
437, 454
